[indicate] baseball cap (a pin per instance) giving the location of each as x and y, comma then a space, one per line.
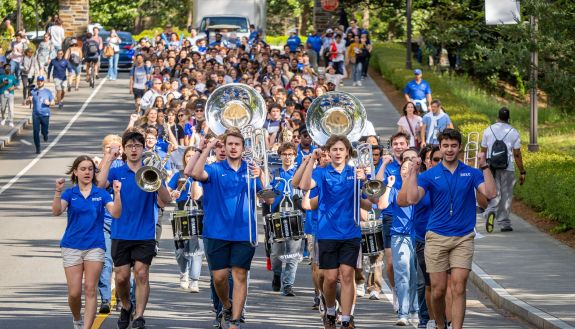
328, 31
504, 114
40, 78
417, 72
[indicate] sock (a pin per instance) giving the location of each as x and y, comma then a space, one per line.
352, 309
345, 318
330, 311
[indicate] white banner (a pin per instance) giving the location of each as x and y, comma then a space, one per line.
502, 12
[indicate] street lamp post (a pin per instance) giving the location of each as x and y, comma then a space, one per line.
533, 146
408, 42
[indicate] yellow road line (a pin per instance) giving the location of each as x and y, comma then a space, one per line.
100, 318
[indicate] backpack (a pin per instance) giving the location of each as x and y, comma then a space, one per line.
92, 48
75, 59
499, 157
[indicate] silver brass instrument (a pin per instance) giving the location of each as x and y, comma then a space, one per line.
240, 106
338, 113
471, 155
149, 177
372, 188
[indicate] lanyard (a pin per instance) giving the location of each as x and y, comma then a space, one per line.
449, 188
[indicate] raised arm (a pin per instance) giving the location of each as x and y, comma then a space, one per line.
307, 183
115, 208
414, 192
384, 200
198, 172
104, 168
59, 205
296, 179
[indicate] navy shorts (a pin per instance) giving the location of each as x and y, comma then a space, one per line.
333, 253
222, 254
387, 220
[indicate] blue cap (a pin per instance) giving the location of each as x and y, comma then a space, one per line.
417, 72
40, 78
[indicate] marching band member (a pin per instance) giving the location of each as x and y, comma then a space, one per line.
133, 235
189, 253
449, 242
83, 245
227, 239
338, 236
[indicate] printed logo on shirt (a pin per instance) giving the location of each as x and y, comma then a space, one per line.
122, 178
437, 177
350, 177
465, 174
97, 199
74, 199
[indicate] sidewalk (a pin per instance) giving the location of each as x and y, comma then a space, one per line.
525, 272
22, 119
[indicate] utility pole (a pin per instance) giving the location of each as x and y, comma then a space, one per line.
19, 24
533, 146
408, 42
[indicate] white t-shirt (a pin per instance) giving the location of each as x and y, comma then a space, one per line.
415, 123
512, 140
57, 34
368, 129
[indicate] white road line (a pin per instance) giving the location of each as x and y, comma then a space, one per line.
25, 142
54, 142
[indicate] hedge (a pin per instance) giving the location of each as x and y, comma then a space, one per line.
550, 175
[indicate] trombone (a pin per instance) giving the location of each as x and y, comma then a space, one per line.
471, 154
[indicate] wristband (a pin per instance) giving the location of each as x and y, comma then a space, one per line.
485, 167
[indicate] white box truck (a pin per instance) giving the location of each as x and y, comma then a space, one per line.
239, 13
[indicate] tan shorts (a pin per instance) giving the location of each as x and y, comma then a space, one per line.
445, 252
73, 257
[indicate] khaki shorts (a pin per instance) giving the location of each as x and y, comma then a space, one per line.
445, 252
60, 84
73, 257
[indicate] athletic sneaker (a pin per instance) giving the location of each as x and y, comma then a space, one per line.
414, 317
60, 106
354, 84
360, 290
139, 323
124, 319
431, 324
288, 291
105, 307
359, 83
184, 282
507, 229
395, 302
276, 283
235, 324
374, 295
402, 322
329, 321
193, 287
11, 124
3, 122
316, 301
225, 318
78, 324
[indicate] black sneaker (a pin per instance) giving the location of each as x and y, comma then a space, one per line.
345, 325
507, 229
124, 319
329, 321
225, 318
351, 322
105, 307
235, 324
276, 283
288, 291
315, 303
46, 139
139, 323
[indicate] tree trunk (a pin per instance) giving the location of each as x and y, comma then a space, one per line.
305, 17
190, 12
365, 18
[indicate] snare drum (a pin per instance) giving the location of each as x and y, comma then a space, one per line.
196, 219
180, 225
372, 238
286, 225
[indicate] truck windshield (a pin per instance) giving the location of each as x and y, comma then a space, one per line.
238, 21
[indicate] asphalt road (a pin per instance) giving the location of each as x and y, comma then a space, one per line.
32, 282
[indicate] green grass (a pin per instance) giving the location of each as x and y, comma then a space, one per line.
551, 172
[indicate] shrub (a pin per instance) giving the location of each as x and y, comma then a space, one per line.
281, 40
551, 175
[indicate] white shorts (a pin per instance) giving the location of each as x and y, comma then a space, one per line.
60, 84
73, 257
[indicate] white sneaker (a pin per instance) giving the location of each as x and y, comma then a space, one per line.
79, 324
359, 83
11, 124
374, 295
402, 322
354, 84
414, 318
395, 302
184, 282
360, 290
193, 287
3, 122
431, 324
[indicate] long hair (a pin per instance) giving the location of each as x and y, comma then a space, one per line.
75, 166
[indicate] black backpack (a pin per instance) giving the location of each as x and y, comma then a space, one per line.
499, 157
92, 48
75, 59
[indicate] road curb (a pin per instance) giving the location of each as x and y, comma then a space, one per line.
16, 130
503, 299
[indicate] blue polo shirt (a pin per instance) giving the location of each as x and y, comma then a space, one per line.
315, 42
335, 203
279, 185
139, 208
85, 228
422, 213
226, 202
173, 184
392, 169
301, 153
38, 98
402, 223
293, 42
417, 91
311, 216
446, 189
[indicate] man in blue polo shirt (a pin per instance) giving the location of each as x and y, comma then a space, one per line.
229, 221
293, 41
134, 233
418, 91
449, 242
41, 99
338, 235
390, 166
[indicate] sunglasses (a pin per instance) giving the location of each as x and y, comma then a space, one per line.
436, 159
180, 115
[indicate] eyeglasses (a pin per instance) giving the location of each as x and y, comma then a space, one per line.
180, 115
199, 110
296, 136
288, 154
134, 146
157, 83
436, 159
